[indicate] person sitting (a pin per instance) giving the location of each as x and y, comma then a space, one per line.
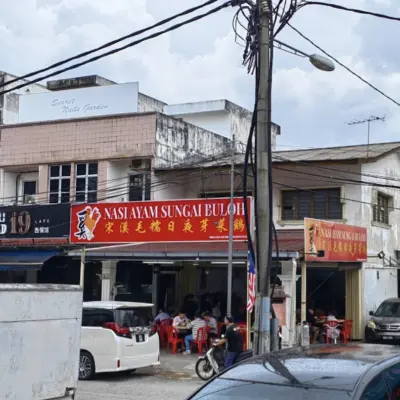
196, 325
212, 324
162, 316
314, 328
180, 321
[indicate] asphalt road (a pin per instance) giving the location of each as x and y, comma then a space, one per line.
149, 384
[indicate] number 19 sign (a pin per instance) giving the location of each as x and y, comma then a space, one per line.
194, 220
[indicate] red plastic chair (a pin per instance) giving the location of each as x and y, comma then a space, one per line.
201, 340
243, 331
347, 332
162, 331
330, 326
173, 339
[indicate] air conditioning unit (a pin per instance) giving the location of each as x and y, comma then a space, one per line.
30, 199
141, 165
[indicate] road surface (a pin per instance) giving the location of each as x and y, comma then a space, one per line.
148, 384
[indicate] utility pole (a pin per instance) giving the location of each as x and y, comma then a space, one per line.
230, 249
368, 122
262, 335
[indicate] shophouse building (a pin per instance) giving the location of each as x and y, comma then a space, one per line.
354, 185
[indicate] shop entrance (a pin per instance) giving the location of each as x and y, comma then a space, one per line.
335, 290
166, 296
326, 291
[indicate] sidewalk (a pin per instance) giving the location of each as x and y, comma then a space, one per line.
178, 364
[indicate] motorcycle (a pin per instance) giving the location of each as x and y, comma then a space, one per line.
213, 361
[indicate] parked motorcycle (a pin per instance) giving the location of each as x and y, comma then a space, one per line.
214, 361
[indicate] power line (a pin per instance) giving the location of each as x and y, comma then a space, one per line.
337, 170
344, 66
111, 43
354, 10
131, 44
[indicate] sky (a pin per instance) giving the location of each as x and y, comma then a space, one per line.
202, 61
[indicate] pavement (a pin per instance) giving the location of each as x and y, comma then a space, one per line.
174, 378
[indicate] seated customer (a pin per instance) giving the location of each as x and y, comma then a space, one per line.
180, 320
212, 324
196, 325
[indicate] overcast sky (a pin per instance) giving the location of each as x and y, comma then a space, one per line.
203, 62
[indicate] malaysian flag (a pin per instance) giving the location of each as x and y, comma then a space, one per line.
251, 280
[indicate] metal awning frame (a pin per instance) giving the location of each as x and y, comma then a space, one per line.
173, 256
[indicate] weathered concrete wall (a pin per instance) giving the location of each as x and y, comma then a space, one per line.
178, 142
9, 103
148, 104
380, 279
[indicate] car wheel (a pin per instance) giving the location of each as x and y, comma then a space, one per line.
86, 366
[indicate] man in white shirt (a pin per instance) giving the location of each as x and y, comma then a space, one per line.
162, 316
196, 325
180, 320
211, 323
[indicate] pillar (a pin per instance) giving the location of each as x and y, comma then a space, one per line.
289, 279
154, 288
108, 278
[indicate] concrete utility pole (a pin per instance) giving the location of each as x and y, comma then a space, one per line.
262, 335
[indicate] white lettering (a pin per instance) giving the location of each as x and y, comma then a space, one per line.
3, 229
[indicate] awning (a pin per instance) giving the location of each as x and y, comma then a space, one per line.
291, 242
21, 260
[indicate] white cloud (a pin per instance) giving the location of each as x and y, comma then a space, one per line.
201, 61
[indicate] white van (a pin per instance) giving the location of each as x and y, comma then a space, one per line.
117, 336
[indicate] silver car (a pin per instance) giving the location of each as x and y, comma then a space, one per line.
337, 372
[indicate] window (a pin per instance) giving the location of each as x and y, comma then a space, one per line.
29, 192
381, 208
133, 317
96, 317
86, 183
376, 390
139, 187
59, 182
315, 203
392, 379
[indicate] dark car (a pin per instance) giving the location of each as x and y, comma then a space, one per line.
337, 372
384, 325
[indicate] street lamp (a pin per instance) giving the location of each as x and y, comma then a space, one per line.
320, 62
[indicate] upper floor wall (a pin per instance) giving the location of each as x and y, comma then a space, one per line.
97, 138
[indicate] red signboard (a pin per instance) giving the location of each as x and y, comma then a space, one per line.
196, 220
340, 242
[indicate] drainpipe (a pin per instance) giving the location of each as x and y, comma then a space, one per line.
17, 181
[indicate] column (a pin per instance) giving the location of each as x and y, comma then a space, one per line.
290, 291
43, 186
108, 278
154, 288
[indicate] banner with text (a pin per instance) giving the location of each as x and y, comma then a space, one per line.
196, 220
340, 242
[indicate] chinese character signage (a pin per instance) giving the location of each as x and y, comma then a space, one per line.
35, 221
340, 242
196, 220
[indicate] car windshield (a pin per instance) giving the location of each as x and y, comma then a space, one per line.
134, 317
388, 309
222, 389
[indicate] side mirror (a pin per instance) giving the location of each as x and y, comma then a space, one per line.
371, 313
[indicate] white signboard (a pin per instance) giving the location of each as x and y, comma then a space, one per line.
79, 103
